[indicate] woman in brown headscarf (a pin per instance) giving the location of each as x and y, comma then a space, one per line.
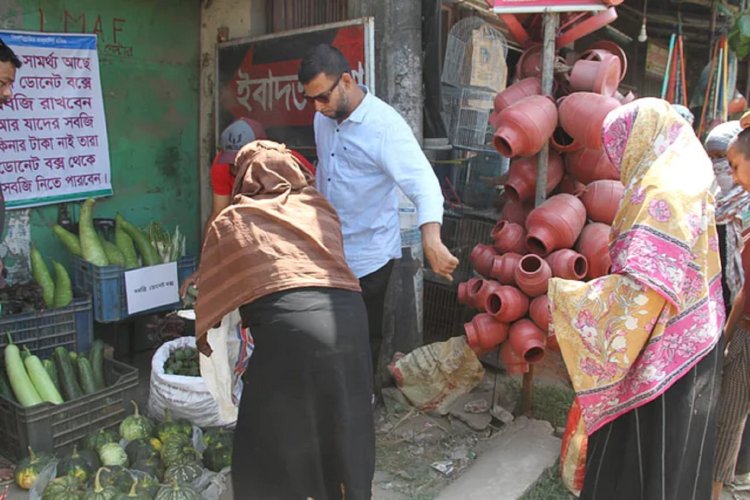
305, 426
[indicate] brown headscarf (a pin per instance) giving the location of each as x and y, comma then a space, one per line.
279, 233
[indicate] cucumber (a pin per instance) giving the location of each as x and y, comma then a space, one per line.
68, 384
63, 288
49, 365
97, 363
86, 375
70, 240
41, 380
5, 390
147, 250
42, 277
125, 243
91, 247
20, 382
114, 255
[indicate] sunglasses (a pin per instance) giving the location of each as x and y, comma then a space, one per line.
325, 97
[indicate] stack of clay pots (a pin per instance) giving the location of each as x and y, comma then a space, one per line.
567, 236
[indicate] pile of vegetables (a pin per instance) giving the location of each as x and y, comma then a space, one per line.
183, 361
57, 293
95, 248
66, 376
144, 460
21, 298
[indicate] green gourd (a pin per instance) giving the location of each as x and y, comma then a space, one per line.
63, 488
70, 240
177, 491
75, 465
183, 473
101, 492
42, 276
136, 426
27, 471
63, 289
91, 248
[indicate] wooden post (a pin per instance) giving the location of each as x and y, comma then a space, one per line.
551, 21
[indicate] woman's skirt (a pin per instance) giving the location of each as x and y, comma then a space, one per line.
305, 427
664, 449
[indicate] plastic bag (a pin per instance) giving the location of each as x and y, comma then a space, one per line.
435, 375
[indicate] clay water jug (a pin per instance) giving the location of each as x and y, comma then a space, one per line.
594, 245
467, 293
504, 268
569, 185
506, 303
529, 65
589, 165
516, 92
582, 115
568, 264
481, 258
560, 141
600, 74
516, 212
528, 340
521, 183
508, 237
483, 290
602, 200
513, 363
612, 48
484, 332
555, 224
532, 275
524, 127
539, 312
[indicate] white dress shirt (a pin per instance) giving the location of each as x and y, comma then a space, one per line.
361, 161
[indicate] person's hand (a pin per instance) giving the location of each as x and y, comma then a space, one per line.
190, 280
201, 343
441, 260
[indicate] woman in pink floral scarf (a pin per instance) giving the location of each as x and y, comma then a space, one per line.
640, 344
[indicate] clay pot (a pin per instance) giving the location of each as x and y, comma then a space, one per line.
530, 64
506, 303
521, 183
517, 212
481, 258
484, 332
594, 245
528, 340
504, 268
524, 127
602, 200
509, 237
516, 92
612, 48
568, 264
561, 142
600, 74
569, 185
532, 275
552, 344
513, 363
589, 165
582, 115
555, 224
482, 290
539, 312
467, 294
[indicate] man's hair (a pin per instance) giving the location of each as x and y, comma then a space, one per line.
741, 143
7, 55
323, 58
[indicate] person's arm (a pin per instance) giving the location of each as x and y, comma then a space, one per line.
220, 202
404, 161
735, 315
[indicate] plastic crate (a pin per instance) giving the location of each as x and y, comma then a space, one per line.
107, 287
444, 317
54, 428
71, 327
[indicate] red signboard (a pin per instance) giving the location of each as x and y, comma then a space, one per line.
521, 6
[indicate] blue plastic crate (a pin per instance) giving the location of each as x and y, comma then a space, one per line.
71, 327
107, 286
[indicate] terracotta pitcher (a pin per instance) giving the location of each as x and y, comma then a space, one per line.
509, 237
524, 127
516, 212
539, 312
600, 74
482, 290
602, 200
568, 264
506, 303
582, 115
516, 92
504, 268
528, 340
560, 141
569, 185
481, 258
555, 224
532, 275
521, 183
589, 165
513, 363
484, 332
594, 245
467, 293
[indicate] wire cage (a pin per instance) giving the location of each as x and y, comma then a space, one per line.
460, 233
475, 55
466, 114
444, 317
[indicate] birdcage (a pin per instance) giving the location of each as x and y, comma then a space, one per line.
466, 113
475, 55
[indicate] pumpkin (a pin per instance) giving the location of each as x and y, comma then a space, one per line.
101, 492
169, 426
149, 485
134, 493
151, 466
136, 426
217, 435
116, 476
183, 473
217, 457
75, 465
177, 491
28, 469
95, 440
178, 438
177, 452
113, 454
156, 443
140, 449
91, 458
63, 488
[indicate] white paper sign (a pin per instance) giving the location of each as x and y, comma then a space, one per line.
150, 287
53, 134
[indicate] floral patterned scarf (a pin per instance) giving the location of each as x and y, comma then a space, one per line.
627, 337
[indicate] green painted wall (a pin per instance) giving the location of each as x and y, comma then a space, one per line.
150, 100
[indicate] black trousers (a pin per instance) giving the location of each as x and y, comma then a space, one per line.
374, 286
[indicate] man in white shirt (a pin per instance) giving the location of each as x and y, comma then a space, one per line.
365, 151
